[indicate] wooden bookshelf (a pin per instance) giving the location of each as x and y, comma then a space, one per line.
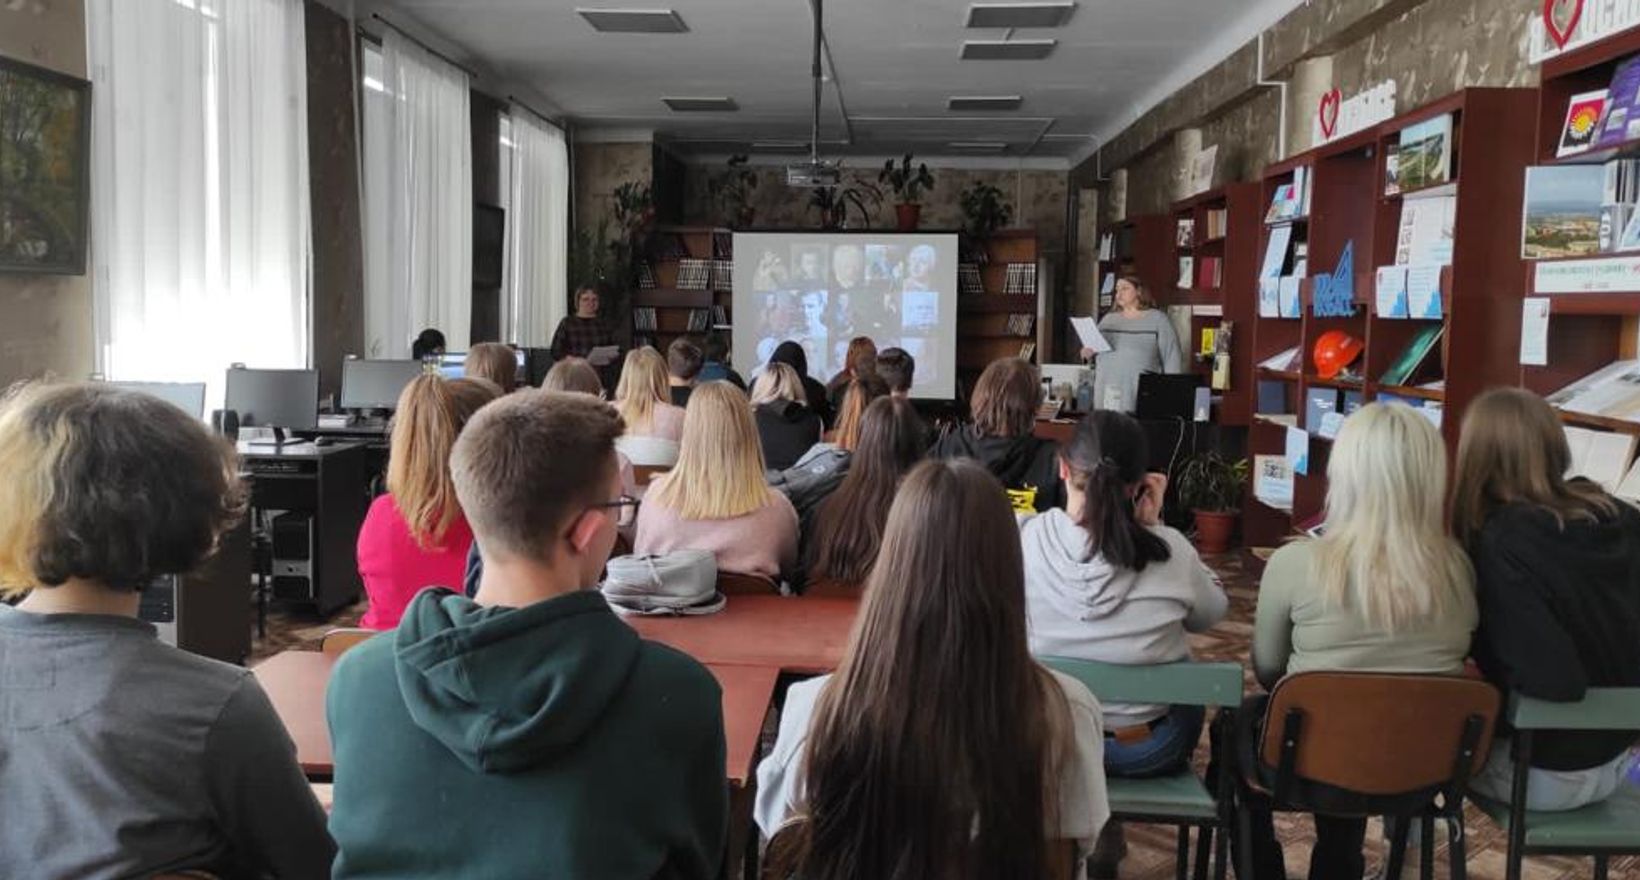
1587, 331
984, 331
1481, 289
1232, 241
672, 305
1142, 246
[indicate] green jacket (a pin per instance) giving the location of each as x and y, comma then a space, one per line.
540, 742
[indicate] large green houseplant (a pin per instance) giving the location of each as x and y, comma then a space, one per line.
908, 183
731, 193
1210, 486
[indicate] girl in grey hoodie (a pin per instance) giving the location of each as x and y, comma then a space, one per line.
1106, 581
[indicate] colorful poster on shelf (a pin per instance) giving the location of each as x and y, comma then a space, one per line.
1425, 157
1298, 450
1584, 113
1392, 292
1424, 291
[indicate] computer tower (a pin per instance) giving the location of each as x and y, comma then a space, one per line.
293, 557
206, 612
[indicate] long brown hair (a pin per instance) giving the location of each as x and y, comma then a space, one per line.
860, 360
1005, 399
861, 392
849, 526
494, 361
1513, 451
936, 748
431, 412
1140, 289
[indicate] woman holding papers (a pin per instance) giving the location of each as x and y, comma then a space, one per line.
580, 334
1141, 340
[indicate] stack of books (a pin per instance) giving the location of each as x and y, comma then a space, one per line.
1218, 223
723, 274
1020, 324
694, 274
1020, 279
968, 280
644, 319
1210, 273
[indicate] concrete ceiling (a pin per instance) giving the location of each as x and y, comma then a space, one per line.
892, 66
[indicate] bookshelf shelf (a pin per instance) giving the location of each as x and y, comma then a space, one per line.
1594, 304
1279, 375
1340, 384
990, 303
1413, 391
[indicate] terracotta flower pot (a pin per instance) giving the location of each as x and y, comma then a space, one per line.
1213, 530
907, 217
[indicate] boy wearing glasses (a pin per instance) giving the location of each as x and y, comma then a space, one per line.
511, 734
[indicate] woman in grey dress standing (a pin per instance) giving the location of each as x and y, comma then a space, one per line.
1142, 340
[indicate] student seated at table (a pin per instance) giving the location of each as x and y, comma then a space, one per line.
415, 535
859, 360
1557, 570
848, 527
1384, 589
715, 368
654, 425
820, 470
493, 361
1105, 580
939, 748
716, 498
1004, 409
786, 427
515, 734
121, 756
573, 375
429, 342
683, 362
792, 354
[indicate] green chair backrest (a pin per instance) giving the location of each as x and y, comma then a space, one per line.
1600, 709
1180, 684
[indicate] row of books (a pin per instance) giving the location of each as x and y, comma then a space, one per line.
1020, 279
1021, 324
1217, 224
968, 280
1604, 117
645, 319
1204, 273
705, 274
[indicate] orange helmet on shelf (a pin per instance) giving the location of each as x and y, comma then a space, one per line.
1334, 351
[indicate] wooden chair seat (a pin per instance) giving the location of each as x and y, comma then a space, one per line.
339, 641
734, 584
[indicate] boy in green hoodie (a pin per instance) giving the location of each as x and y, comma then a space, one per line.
528, 732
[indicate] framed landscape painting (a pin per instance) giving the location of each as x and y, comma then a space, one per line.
45, 187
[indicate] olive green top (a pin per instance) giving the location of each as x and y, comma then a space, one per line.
1297, 630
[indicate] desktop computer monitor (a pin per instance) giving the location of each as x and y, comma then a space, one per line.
186, 396
376, 384
278, 399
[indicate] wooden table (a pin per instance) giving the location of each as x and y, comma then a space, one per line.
803, 634
295, 682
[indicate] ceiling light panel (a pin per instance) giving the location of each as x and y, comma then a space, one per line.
984, 102
978, 146
701, 105
634, 21
1007, 50
1019, 15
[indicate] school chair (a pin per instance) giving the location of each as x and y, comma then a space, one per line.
1181, 799
1371, 744
785, 853
644, 474
339, 641
1602, 830
733, 584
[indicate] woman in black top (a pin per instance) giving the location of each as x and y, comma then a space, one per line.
1557, 573
791, 353
580, 333
785, 424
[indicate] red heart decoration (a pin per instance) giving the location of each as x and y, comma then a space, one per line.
1328, 111
1561, 35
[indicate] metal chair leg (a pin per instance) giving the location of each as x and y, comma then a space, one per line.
1456, 848
1204, 844
1426, 848
1600, 867
1397, 847
1221, 847
1244, 836
1181, 857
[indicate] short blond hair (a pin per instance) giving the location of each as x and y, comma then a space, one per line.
719, 474
112, 486
573, 374
778, 382
430, 414
494, 361
528, 462
643, 385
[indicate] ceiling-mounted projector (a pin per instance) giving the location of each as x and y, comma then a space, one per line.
813, 174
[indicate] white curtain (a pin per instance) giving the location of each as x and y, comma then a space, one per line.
537, 232
199, 187
418, 201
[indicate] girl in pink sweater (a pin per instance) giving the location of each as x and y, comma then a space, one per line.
415, 536
716, 498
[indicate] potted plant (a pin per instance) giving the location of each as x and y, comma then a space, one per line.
731, 191
984, 209
833, 203
1210, 486
908, 184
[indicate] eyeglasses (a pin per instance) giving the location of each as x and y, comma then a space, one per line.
626, 509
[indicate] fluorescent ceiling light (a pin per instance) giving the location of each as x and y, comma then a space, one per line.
634, 21
979, 146
1019, 15
780, 146
1007, 50
701, 105
984, 102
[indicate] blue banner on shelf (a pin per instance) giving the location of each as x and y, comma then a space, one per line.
1333, 296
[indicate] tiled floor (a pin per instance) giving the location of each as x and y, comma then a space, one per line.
1150, 849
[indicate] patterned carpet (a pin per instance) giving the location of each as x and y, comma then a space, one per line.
1151, 848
